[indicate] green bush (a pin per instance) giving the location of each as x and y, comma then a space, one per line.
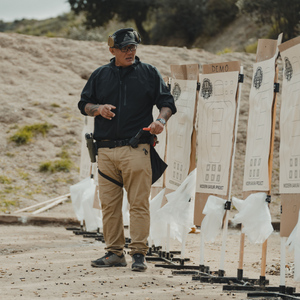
55, 105
23, 175
61, 165
25, 133
9, 154
5, 180
225, 50
45, 166
252, 48
21, 137
64, 154
5, 204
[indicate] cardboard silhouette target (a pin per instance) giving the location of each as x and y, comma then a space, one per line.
259, 126
181, 72
215, 117
217, 129
217, 107
189, 72
180, 128
290, 122
289, 180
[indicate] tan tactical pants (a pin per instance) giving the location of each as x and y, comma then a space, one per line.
131, 167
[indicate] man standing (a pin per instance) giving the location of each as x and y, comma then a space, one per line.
121, 96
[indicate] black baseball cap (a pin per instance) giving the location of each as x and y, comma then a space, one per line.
124, 37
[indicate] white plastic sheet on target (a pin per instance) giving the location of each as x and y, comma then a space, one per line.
125, 208
82, 196
294, 243
179, 211
254, 214
92, 216
214, 210
158, 228
76, 192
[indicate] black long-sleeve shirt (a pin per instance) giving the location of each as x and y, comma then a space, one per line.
133, 91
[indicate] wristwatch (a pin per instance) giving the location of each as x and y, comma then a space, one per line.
162, 121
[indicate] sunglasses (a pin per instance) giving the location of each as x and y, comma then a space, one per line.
131, 48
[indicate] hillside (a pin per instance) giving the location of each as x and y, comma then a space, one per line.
239, 34
41, 80
234, 37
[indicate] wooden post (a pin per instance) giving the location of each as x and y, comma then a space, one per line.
242, 245
270, 163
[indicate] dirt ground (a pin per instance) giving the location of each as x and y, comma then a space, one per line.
53, 263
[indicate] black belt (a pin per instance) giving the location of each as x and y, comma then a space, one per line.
121, 143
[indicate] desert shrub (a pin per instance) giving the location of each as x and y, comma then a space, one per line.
252, 48
45, 166
25, 133
54, 105
225, 50
23, 175
9, 154
6, 204
5, 180
61, 165
21, 137
64, 154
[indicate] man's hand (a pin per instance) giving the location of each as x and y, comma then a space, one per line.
156, 127
104, 110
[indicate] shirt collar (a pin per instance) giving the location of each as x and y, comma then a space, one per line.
136, 62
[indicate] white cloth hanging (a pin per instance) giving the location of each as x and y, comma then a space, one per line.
255, 216
125, 209
179, 211
76, 192
214, 210
92, 216
294, 243
82, 196
158, 228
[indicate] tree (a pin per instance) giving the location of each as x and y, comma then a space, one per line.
178, 20
186, 20
282, 15
100, 12
171, 21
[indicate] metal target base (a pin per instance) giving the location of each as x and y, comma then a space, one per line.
100, 239
234, 283
93, 235
82, 232
260, 290
156, 254
283, 292
200, 271
73, 228
171, 265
